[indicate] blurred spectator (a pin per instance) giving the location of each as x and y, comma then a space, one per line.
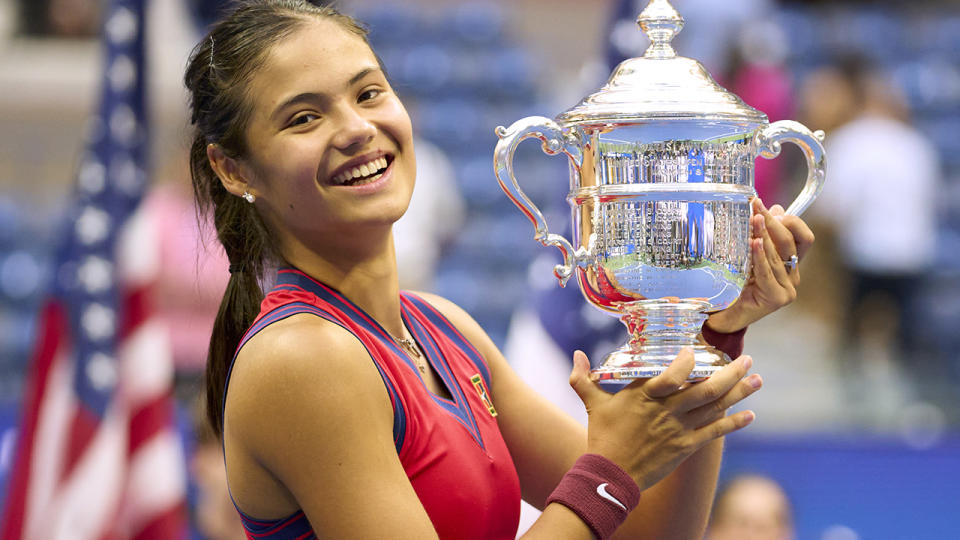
60, 18
751, 507
193, 271
756, 72
880, 200
827, 100
433, 220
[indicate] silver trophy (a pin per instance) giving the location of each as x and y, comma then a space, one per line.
661, 177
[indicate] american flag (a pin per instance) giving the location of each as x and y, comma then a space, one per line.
97, 453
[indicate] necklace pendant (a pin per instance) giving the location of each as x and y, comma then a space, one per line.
410, 347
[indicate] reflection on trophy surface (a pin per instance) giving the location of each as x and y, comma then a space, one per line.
661, 178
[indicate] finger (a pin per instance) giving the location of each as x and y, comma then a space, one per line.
782, 237
718, 409
585, 387
801, 232
714, 388
721, 427
775, 258
763, 276
777, 211
672, 378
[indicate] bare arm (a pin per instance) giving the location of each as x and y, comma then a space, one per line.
635, 431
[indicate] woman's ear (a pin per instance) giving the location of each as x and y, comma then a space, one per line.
228, 170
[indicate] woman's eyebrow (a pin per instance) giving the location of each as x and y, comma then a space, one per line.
362, 73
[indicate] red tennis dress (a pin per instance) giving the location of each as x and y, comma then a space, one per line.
451, 449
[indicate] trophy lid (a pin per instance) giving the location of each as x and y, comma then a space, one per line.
660, 85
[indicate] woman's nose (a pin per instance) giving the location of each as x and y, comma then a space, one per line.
355, 129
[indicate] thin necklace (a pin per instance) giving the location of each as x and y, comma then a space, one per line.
411, 349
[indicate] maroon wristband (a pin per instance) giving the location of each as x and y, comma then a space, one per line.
731, 343
599, 492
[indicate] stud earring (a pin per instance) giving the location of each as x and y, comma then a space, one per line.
249, 197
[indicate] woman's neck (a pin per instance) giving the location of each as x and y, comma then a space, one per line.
363, 271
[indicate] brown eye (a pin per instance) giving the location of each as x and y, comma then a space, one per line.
368, 95
303, 119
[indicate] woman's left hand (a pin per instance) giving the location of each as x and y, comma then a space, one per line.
774, 238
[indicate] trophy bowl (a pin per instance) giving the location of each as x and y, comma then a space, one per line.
661, 178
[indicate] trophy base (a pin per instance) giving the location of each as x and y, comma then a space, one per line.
659, 330
624, 365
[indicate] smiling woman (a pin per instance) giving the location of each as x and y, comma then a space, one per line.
351, 409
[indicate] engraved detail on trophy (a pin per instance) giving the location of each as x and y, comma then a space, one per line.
661, 176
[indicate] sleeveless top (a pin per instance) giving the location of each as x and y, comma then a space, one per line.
451, 449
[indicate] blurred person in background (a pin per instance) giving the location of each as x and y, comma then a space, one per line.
751, 507
193, 272
756, 72
433, 219
880, 202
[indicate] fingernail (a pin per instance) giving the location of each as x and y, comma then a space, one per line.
778, 218
760, 202
755, 381
748, 417
747, 362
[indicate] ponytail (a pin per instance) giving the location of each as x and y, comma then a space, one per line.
246, 242
238, 309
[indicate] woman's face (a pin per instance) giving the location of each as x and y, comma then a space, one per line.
329, 145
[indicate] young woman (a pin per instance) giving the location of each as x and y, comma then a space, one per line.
350, 409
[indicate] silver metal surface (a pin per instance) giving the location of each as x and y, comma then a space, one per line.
791, 263
661, 84
661, 176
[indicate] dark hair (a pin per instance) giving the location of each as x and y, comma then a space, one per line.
218, 72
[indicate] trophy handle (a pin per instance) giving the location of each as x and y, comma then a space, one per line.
811, 142
554, 142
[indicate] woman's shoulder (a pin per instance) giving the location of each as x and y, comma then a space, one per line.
451, 311
300, 361
295, 387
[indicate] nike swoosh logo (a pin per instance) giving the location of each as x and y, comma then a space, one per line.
602, 491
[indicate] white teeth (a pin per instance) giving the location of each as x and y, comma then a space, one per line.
365, 169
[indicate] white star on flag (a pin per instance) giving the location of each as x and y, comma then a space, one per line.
93, 225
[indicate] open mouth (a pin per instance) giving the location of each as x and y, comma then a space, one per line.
365, 173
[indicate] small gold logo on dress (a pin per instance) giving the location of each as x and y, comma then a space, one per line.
481, 388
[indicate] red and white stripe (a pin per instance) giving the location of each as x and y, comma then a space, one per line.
122, 477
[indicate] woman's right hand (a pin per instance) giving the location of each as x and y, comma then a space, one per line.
652, 425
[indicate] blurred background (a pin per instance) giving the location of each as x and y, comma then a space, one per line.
859, 420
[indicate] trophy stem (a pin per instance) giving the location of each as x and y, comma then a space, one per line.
658, 331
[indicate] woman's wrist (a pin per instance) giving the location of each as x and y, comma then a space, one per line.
599, 491
728, 321
730, 342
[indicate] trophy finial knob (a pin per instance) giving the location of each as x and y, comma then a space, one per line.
660, 22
